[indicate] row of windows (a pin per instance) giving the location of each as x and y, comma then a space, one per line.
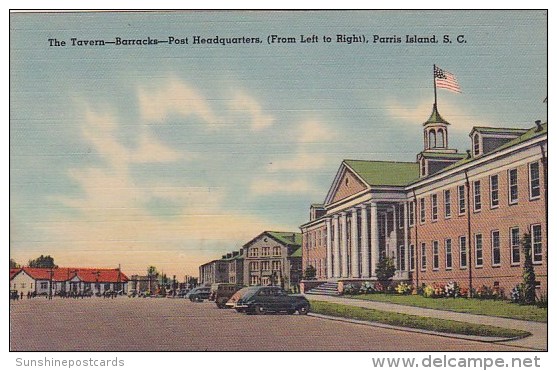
514, 246
265, 251
494, 195
315, 239
265, 265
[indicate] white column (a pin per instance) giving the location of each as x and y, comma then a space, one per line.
406, 253
343, 246
355, 253
365, 242
374, 237
336, 247
329, 250
395, 247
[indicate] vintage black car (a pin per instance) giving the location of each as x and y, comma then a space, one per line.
199, 294
263, 299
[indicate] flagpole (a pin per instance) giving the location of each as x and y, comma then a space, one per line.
434, 88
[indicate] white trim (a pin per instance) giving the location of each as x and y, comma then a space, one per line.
447, 268
513, 263
479, 183
536, 262
493, 264
491, 206
476, 250
476, 163
530, 197
511, 202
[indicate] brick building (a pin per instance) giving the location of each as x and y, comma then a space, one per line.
446, 216
215, 271
273, 258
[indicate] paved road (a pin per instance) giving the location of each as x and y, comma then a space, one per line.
138, 324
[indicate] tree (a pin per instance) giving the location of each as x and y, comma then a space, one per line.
310, 272
13, 264
528, 274
385, 269
42, 262
152, 271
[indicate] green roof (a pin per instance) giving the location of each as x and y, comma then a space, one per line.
297, 253
385, 173
485, 129
443, 155
286, 237
529, 134
435, 117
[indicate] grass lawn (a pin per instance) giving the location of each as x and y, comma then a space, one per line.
407, 320
496, 308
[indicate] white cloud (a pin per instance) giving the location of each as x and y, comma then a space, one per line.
315, 132
174, 96
112, 222
459, 120
242, 102
288, 186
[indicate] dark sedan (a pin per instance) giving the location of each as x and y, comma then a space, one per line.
261, 300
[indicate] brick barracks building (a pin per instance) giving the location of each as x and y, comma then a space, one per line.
448, 216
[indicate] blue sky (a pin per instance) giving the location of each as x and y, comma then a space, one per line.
174, 155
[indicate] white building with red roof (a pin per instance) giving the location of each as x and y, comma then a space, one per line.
74, 280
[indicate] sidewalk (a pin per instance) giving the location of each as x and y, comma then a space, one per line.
537, 341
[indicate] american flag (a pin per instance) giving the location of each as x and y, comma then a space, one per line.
446, 80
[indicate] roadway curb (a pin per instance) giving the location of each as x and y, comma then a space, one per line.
483, 339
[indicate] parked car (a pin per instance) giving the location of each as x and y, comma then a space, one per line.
221, 292
231, 303
199, 294
272, 299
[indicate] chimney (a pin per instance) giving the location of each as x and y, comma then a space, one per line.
539, 125
229, 255
224, 256
235, 253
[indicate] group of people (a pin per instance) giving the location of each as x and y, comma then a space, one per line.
16, 295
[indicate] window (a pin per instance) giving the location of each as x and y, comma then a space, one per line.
424, 167
463, 252
447, 196
461, 200
276, 250
253, 280
433, 207
276, 265
44, 285
424, 259
537, 243
23, 285
494, 190
495, 248
402, 258
479, 250
476, 145
534, 171
265, 281
432, 143
422, 210
448, 254
435, 255
411, 214
513, 186
253, 252
265, 251
265, 265
440, 139
515, 245
254, 266
477, 196
412, 258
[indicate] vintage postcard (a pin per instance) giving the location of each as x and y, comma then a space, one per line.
279, 181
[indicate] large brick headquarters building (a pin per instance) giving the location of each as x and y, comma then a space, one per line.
447, 216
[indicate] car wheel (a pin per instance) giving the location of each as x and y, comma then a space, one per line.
259, 309
304, 309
